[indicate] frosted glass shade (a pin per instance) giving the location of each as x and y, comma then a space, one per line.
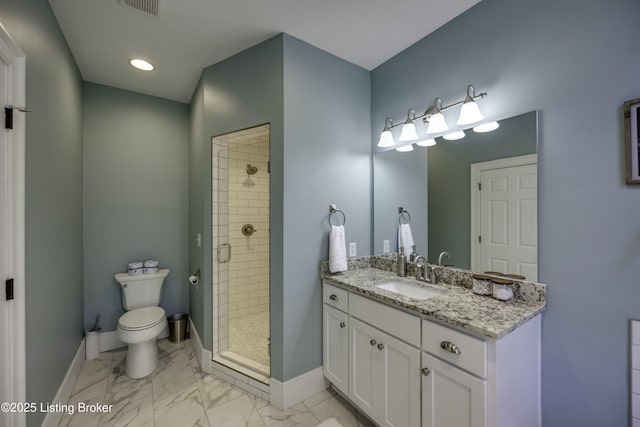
408, 132
405, 148
426, 142
437, 123
469, 113
453, 136
486, 127
386, 139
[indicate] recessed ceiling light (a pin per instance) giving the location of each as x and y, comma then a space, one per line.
141, 64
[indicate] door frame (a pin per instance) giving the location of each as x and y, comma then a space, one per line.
476, 170
16, 329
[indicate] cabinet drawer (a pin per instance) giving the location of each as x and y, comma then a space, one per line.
395, 322
335, 297
472, 352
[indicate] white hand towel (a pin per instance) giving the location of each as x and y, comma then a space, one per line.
337, 249
405, 239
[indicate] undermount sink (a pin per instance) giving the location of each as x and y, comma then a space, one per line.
409, 290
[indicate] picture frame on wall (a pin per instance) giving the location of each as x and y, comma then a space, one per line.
632, 141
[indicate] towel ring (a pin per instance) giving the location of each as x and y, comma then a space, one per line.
402, 211
333, 210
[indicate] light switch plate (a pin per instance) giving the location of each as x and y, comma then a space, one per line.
352, 249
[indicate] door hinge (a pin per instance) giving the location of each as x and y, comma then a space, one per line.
269, 166
8, 284
8, 115
479, 186
479, 239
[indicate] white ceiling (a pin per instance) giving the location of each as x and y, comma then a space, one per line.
189, 35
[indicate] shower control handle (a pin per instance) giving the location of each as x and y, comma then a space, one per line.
248, 230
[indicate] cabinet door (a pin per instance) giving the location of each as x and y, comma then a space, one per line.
363, 362
450, 396
400, 392
335, 334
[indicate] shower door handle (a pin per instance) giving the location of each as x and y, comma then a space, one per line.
224, 252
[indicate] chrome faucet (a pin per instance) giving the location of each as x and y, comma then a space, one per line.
442, 254
424, 273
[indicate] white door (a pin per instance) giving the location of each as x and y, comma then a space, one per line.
336, 344
12, 358
450, 396
507, 238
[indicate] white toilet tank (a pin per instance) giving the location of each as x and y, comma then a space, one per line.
142, 290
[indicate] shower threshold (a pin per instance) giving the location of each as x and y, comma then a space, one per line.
244, 365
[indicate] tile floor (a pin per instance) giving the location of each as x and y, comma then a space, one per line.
179, 394
249, 337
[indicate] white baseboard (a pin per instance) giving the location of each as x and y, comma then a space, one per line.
285, 395
64, 392
109, 340
203, 355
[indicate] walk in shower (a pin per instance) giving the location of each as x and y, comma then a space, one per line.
240, 238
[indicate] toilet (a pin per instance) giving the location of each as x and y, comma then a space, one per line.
143, 322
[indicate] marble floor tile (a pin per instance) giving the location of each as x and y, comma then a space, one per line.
215, 391
83, 419
297, 415
124, 389
337, 408
130, 413
182, 409
238, 412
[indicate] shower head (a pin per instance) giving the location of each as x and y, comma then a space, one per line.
251, 170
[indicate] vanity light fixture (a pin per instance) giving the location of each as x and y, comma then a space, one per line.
405, 148
386, 138
454, 136
434, 120
486, 127
426, 142
469, 112
141, 64
409, 129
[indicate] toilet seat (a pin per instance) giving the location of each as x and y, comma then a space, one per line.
141, 318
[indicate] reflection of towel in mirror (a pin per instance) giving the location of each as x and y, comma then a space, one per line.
337, 249
405, 239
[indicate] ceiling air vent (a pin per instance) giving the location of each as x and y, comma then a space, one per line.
149, 7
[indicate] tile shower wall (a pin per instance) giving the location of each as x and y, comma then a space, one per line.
239, 198
249, 204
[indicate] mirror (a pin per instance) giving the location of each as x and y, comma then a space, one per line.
434, 185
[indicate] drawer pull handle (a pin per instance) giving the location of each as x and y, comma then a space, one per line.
425, 371
373, 342
342, 324
380, 346
333, 297
450, 347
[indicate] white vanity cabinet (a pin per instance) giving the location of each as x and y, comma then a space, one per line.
335, 334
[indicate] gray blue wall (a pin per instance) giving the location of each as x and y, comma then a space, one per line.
136, 196
327, 160
53, 197
449, 177
576, 62
325, 141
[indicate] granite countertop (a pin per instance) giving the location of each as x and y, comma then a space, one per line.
457, 306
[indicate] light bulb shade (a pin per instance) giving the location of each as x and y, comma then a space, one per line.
486, 127
437, 124
141, 64
469, 113
386, 139
408, 132
405, 148
453, 136
426, 142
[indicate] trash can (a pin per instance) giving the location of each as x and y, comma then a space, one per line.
178, 327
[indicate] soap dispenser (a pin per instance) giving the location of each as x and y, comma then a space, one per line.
414, 254
401, 263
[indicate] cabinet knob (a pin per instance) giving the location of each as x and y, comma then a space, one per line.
450, 347
373, 342
425, 371
380, 346
342, 324
333, 297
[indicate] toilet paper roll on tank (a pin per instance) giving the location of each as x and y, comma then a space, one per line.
138, 267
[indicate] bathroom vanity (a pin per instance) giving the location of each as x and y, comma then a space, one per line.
452, 359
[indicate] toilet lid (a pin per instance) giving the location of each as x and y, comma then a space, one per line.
141, 318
